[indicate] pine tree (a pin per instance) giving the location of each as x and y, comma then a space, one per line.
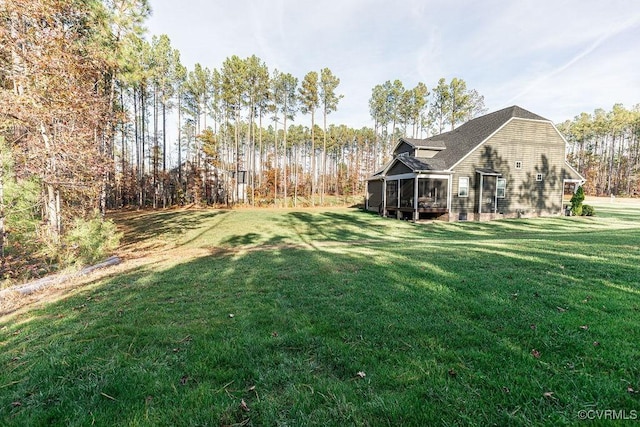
329, 101
309, 102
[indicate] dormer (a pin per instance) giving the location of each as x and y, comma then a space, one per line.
422, 148
429, 150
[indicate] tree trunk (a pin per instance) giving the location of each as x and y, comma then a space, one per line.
52, 196
275, 164
284, 159
142, 143
180, 143
155, 147
123, 178
324, 156
260, 150
313, 160
295, 174
611, 161
2, 228
237, 159
163, 184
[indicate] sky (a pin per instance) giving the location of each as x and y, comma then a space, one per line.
554, 58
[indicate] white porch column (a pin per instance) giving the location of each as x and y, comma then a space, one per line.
384, 197
416, 215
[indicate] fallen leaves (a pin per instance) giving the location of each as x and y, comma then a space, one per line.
243, 406
535, 353
361, 374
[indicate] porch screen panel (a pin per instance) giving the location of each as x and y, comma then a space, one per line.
432, 193
406, 193
374, 194
392, 194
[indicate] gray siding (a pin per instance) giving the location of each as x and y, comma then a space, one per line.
540, 149
404, 148
399, 168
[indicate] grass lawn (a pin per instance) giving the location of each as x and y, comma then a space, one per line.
338, 317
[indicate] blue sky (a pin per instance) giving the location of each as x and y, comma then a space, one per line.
555, 58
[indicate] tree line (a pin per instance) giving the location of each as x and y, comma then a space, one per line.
420, 112
605, 148
87, 102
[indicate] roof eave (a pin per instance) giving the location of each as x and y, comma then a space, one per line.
575, 171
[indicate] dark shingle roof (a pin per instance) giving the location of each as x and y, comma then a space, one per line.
459, 142
419, 164
425, 143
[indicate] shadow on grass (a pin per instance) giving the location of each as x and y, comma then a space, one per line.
148, 225
440, 332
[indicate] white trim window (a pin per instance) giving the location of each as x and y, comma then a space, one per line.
518, 164
539, 177
463, 186
501, 188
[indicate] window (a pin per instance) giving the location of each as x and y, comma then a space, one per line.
518, 164
539, 177
463, 187
501, 188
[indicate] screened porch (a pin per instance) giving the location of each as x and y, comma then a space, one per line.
417, 198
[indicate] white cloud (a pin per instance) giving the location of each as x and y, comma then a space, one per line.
557, 58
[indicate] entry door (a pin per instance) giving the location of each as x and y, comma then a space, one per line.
488, 201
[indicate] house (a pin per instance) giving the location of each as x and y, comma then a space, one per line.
509, 163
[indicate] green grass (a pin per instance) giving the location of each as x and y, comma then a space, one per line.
442, 318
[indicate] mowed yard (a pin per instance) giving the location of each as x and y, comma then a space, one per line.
337, 317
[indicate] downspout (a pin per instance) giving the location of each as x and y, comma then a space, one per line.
495, 203
480, 194
450, 194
